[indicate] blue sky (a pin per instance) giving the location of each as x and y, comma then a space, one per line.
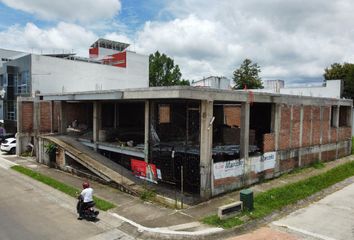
290, 40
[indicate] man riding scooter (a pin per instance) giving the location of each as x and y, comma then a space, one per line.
85, 202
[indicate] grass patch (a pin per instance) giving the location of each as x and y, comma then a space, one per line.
317, 165
148, 194
277, 198
352, 145
227, 223
71, 191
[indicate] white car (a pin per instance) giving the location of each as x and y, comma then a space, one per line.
9, 145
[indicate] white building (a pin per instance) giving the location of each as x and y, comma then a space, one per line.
29, 74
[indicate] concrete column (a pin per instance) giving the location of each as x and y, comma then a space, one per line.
276, 130
19, 126
291, 126
52, 116
63, 119
245, 131
19, 115
311, 126
321, 132
146, 130
96, 120
206, 141
36, 118
350, 116
301, 131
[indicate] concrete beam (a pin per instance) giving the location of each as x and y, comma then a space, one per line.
206, 141
86, 96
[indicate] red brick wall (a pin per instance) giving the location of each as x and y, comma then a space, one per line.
311, 127
268, 142
326, 124
27, 116
45, 117
306, 126
284, 135
226, 181
316, 125
289, 164
333, 135
232, 115
307, 159
328, 155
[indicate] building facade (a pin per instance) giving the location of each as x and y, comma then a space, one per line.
31, 74
222, 139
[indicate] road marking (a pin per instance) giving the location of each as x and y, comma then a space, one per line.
312, 234
6, 164
167, 231
112, 234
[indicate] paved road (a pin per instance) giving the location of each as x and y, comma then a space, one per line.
331, 218
30, 210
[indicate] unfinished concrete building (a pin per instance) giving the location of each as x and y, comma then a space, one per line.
222, 139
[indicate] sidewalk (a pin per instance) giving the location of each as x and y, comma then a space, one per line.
158, 218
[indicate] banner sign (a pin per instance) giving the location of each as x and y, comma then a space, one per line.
264, 162
226, 169
144, 170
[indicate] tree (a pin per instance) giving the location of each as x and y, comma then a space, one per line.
344, 72
163, 71
247, 76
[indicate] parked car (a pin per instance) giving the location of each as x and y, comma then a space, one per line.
9, 145
5, 136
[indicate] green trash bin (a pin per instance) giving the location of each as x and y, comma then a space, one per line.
246, 197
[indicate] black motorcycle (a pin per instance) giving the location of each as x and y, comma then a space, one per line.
88, 213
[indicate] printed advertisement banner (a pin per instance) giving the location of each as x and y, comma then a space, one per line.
226, 169
264, 162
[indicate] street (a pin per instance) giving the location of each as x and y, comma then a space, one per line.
31, 210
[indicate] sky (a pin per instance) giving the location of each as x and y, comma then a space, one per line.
293, 40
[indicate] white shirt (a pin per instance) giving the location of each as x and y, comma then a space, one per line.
87, 194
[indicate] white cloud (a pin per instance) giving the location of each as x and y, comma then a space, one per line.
63, 37
289, 39
73, 10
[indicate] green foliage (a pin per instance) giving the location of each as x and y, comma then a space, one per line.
345, 72
69, 190
277, 198
148, 194
247, 76
50, 148
227, 223
163, 71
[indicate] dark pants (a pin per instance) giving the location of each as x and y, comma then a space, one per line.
82, 206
